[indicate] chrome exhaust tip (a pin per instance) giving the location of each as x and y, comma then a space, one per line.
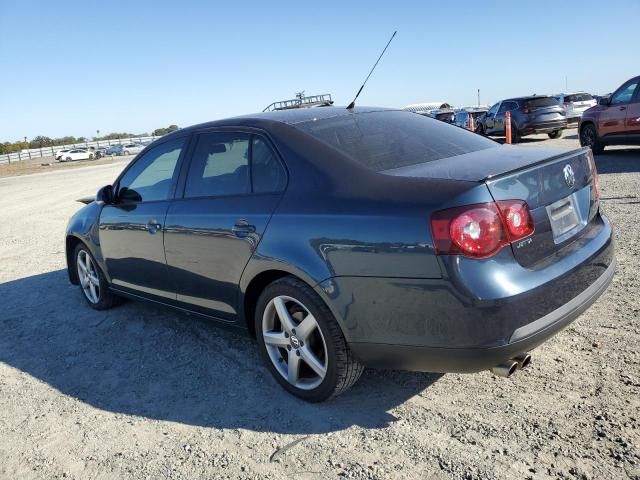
523, 360
505, 370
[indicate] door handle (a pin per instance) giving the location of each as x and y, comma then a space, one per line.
623, 108
242, 229
153, 226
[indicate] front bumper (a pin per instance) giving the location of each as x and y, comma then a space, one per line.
466, 360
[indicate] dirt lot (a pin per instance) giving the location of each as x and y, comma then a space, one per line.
48, 164
142, 392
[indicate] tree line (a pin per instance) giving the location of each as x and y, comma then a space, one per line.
42, 141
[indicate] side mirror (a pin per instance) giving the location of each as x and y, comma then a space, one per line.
604, 101
105, 195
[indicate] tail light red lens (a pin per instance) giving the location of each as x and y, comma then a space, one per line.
517, 219
480, 230
594, 174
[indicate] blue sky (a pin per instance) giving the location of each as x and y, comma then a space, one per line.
72, 67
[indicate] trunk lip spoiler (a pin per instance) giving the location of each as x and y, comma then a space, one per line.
564, 155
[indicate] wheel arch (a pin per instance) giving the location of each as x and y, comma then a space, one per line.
251, 293
71, 243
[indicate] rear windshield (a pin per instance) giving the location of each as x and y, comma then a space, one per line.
578, 97
541, 102
391, 139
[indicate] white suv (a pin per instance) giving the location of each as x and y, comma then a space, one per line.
575, 104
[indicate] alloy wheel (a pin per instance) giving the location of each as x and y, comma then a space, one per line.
588, 136
88, 276
294, 342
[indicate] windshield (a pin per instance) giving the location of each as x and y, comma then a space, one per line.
392, 139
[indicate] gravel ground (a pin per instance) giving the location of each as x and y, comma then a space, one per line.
142, 392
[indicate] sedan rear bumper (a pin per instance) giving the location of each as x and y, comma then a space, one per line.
466, 360
479, 314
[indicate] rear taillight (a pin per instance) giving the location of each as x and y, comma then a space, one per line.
480, 230
594, 174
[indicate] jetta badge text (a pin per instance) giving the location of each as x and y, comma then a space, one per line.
569, 176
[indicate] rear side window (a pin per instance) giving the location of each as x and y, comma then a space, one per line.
392, 139
541, 102
219, 165
267, 174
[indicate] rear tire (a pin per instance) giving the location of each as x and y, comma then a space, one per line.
92, 282
555, 134
306, 352
589, 138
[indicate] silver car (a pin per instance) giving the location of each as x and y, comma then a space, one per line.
132, 148
575, 104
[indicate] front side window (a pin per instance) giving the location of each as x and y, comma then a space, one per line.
149, 178
219, 165
493, 110
505, 107
625, 94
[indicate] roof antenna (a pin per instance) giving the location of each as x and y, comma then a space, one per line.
353, 104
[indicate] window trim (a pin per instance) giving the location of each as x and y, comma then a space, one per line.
174, 180
624, 86
251, 132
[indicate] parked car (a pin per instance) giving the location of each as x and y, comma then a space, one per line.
575, 104
529, 115
462, 117
77, 154
614, 121
132, 148
349, 238
60, 153
100, 152
114, 150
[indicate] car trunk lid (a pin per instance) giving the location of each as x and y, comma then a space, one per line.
556, 184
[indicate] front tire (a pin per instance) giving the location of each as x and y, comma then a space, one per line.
93, 284
302, 343
589, 138
480, 129
555, 134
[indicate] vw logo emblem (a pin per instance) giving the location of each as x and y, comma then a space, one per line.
569, 176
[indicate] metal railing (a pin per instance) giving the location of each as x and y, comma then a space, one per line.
44, 152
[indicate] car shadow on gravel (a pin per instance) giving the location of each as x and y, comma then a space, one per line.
621, 160
148, 361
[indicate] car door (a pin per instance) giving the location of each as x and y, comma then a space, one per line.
500, 117
491, 117
632, 121
613, 119
233, 184
132, 228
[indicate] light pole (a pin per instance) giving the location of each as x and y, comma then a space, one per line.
98, 136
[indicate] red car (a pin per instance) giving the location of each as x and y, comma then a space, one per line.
615, 120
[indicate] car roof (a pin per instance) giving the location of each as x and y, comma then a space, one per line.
528, 97
289, 117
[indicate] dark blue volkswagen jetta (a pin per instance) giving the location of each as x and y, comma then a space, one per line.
350, 238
